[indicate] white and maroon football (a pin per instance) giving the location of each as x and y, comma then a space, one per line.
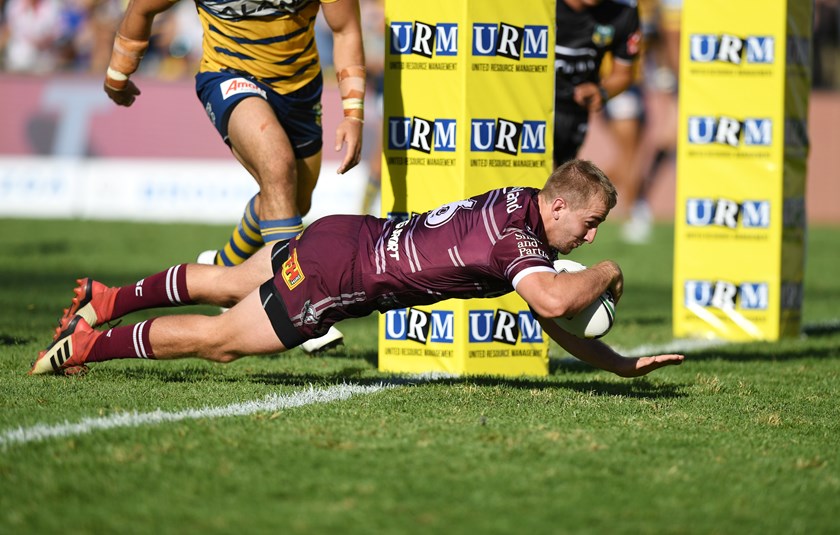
594, 321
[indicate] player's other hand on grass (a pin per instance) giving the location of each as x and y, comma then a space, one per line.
125, 96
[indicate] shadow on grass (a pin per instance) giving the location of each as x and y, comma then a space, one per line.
641, 388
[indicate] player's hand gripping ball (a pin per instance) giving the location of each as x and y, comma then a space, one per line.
594, 321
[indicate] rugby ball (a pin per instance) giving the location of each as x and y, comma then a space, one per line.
594, 321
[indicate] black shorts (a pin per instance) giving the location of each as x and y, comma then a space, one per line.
316, 283
272, 301
569, 133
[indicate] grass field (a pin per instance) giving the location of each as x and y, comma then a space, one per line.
742, 438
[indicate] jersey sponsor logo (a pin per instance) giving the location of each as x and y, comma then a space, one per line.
726, 213
441, 215
509, 137
237, 9
503, 326
529, 246
424, 135
730, 131
726, 295
291, 272
512, 200
237, 86
726, 48
393, 246
423, 39
510, 41
437, 326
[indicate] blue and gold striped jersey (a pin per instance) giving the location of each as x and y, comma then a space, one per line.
273, 40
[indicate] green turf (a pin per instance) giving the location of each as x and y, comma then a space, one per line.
739, 439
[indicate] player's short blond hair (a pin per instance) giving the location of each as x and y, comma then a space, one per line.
577, 181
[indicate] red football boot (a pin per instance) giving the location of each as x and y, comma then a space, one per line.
93, 301
67, 355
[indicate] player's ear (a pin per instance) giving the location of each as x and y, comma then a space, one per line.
557, 205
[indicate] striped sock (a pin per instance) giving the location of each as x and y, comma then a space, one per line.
281, 229
129, 342
165, 289
245, 240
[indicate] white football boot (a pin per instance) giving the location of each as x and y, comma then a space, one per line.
333, 338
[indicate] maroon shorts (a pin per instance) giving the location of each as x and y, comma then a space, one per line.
316, 283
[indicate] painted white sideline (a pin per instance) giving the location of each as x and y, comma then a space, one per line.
272, 402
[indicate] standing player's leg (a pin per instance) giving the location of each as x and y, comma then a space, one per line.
262, 146
308, 171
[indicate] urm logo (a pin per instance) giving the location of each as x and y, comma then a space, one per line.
705, 48
423, 39
728, 131
510, 137
503, 326
513, 42
725, 295
425, 135
726, 212
412, 324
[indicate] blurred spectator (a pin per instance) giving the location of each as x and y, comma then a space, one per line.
586, 31
651, 149
826, 44
30, 36
177, 43
625, 115
373, 29
88, 33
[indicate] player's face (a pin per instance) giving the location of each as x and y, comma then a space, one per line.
577, 226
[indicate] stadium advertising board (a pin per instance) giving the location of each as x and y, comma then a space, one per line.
468, 106
740, 222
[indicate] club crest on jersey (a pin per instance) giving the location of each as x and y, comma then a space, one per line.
603, 35
442, 215
236, 86
291, 272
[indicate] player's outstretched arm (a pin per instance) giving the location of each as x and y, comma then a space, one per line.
602, 356
344, 20
130, 44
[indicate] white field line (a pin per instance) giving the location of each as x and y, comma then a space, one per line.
272, 402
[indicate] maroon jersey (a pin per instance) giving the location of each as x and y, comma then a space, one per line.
350, 266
